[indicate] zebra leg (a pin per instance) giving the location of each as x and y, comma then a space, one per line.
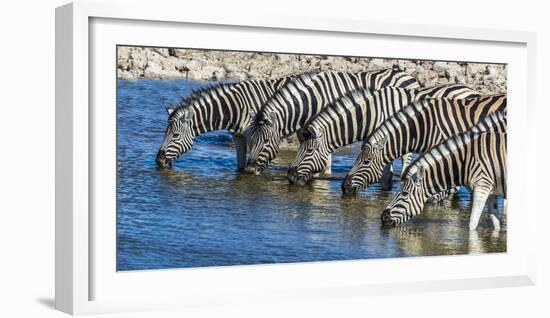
474, 244
492, 207
328, 168
478, 203
405, 161
240, 146
387, 177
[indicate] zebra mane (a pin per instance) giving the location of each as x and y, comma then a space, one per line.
494, 122
196, 95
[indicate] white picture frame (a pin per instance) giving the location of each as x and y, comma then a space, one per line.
84, 279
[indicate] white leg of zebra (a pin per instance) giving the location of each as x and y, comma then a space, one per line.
478, 203
492, 208
387, 177
405, 161
474, 244
328, 168
240, 145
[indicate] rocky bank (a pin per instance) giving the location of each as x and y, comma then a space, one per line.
205, 65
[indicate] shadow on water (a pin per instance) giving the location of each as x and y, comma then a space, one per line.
204, 213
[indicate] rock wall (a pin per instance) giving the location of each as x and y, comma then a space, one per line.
162, 63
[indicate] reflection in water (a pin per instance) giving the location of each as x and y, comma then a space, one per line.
204, 213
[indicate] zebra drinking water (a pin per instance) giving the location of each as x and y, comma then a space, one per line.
303, 97
227, 106
353, 118
416, 128
475, 159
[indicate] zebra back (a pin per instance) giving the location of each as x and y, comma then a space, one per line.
355, 115
306, 95
428, 122
301, 99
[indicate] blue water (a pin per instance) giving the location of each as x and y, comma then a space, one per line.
204, 213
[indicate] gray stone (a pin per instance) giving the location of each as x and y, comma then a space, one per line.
137, 62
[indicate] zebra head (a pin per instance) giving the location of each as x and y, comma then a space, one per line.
264, 143
312, 157
368, 167
408, 201
178, 137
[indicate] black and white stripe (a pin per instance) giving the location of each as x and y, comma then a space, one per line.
227, 106
353, 118
475, 159
301, 99
416, 129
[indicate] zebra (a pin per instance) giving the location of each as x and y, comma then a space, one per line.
303, 97
353, 118
475, 159
221, 106
416, 128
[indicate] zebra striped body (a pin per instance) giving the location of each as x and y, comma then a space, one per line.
228, 106
475, 159
417, 128
301, 99
353, 118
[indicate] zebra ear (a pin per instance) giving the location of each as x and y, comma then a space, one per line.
268, 120
252, 117
187, 115
381, 143
308, 133
419, 175
169, 110
313, 133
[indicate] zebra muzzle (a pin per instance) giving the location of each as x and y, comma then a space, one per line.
387, 221
296, 178
253, 167
162, 161
347, 186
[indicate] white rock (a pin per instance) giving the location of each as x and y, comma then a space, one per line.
137, 62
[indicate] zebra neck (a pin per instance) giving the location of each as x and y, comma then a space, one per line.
340, 136
445, 167
435, 183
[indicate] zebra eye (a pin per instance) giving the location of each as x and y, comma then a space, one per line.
405, 195
176, 136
